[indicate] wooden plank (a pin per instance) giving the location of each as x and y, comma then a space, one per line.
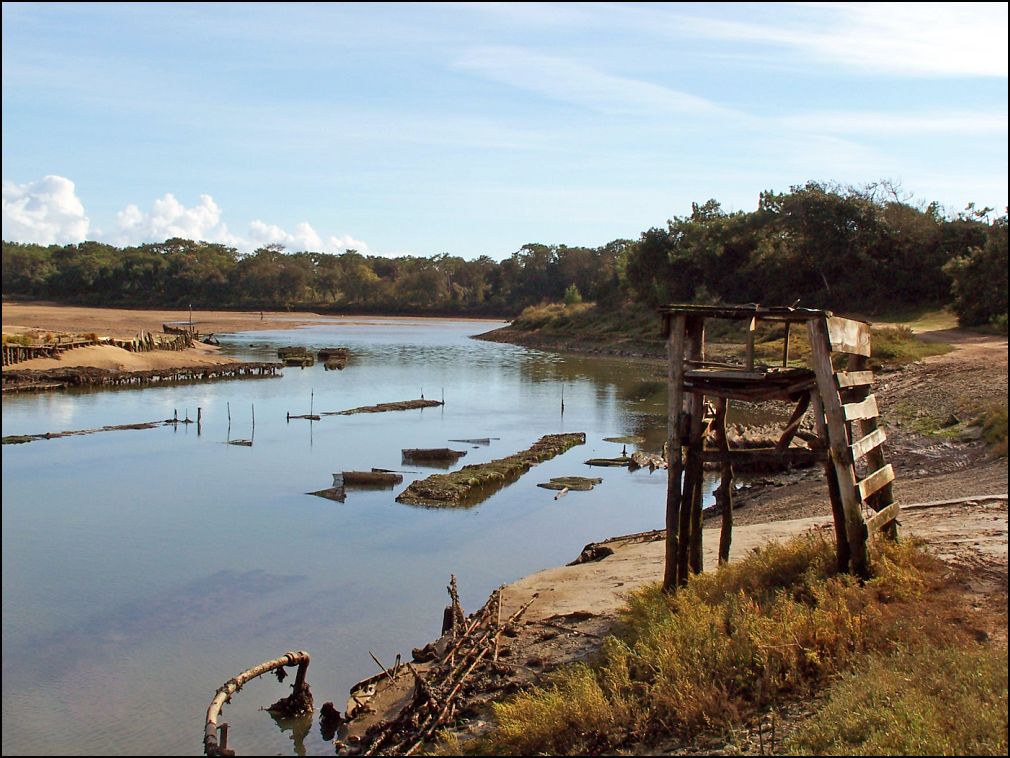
841, 455
795, 456
865, 409
882, 518
848, 336
875, 481
742, 373
854, 378
871, 441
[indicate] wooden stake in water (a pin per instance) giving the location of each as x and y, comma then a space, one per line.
562, 400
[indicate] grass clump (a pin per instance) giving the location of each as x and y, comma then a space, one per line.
926, 701
898, 345
17, 339
994, 429
780, 623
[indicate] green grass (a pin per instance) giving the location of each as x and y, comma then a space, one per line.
589, 321
919, 320
926, 701
893, 344
781, 623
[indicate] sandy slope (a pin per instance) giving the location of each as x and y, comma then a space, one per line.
117, 359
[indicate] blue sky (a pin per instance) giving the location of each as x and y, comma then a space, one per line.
472, 129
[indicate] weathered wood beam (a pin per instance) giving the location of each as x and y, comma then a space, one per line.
862, 410
876, 481
841, 454
853, 378
674, 440
870, 442
848, 336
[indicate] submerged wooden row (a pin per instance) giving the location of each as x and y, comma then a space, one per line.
476, 482
82, 376
403, 405
18, 439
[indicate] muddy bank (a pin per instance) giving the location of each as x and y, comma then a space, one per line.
603, 345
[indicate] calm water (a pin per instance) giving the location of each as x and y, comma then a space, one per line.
141, 569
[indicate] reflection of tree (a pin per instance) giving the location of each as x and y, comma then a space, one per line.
299, 728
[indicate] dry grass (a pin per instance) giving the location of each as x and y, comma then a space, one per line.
782, 623
994, 429
926, 701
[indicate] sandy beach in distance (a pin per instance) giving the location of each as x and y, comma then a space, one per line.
21, 317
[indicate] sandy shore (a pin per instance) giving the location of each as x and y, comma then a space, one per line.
19, 318
125, 323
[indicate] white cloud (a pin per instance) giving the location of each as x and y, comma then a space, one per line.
170, 218
574, 82
912, 39
304, 237
46, 211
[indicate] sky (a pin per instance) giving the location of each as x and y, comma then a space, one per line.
473, 129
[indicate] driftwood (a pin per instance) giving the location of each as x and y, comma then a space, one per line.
432, 454
337, 494
476, 482
17, 439
299, 702
623, 460
366, 479
438, 694
403, 405
580, 483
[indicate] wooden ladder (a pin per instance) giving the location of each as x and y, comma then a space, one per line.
859, 478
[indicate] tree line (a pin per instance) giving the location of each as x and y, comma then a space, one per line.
847, 249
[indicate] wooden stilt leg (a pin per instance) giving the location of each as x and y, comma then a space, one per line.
725, 491
674, 442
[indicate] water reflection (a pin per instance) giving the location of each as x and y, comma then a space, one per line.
141, 557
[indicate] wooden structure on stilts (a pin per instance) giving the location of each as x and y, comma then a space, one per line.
848, 440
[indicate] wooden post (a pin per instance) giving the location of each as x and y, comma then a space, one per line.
837, 511
726, 483
696, 555
677, 326
841, 454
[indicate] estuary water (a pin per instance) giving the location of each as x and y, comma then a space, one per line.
142, 569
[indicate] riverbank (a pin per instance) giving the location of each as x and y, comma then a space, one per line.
942, 416
28, 317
